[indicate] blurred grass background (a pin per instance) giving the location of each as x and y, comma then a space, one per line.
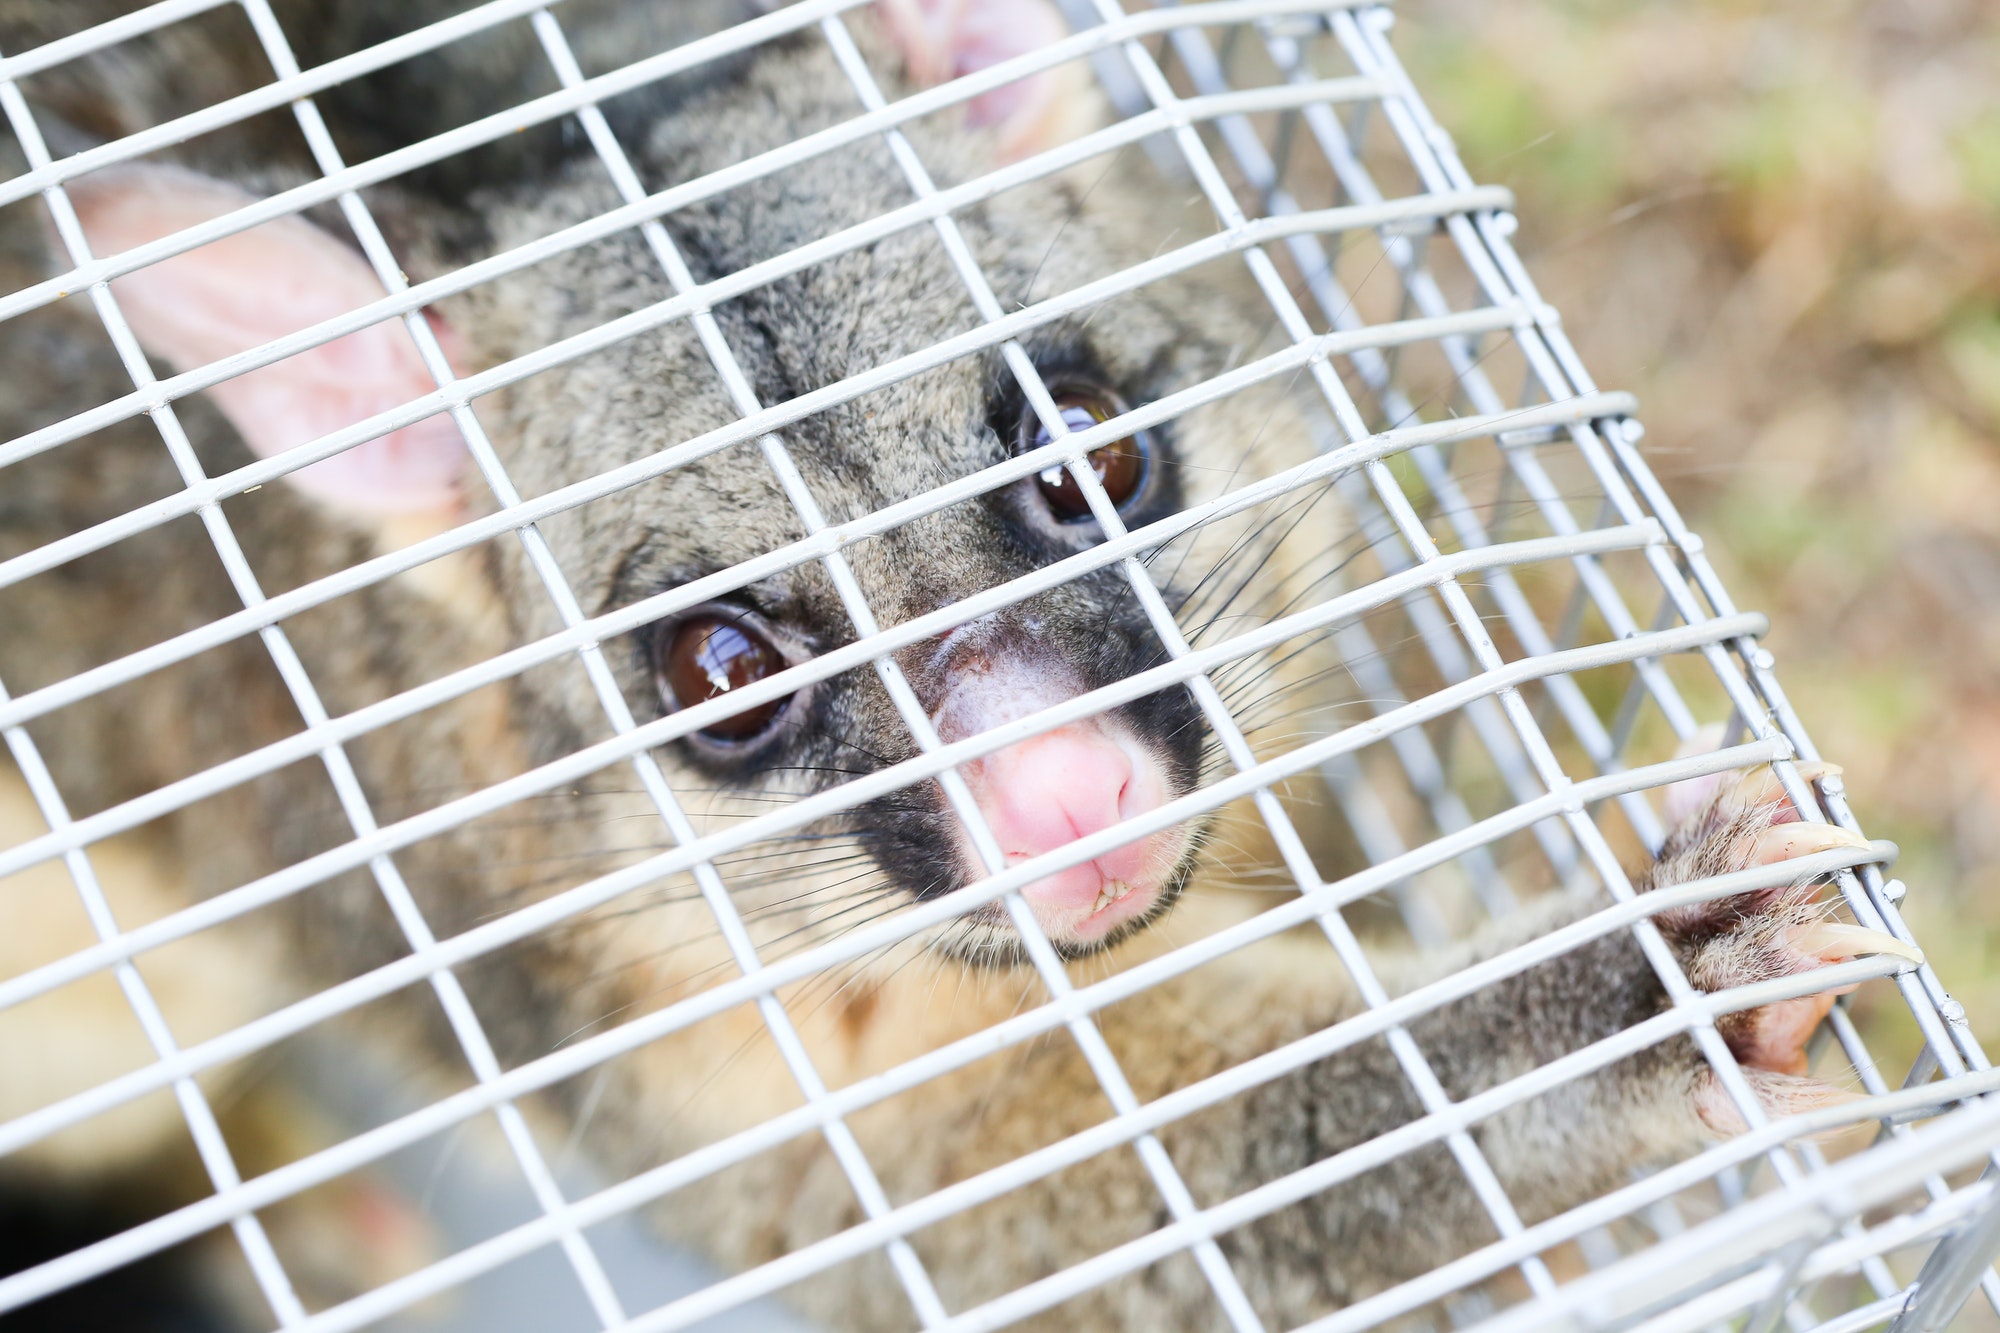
1779, 224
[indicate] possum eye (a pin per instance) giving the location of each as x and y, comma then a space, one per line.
706, 656
1120, 466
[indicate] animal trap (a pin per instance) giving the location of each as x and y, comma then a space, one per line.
989, 662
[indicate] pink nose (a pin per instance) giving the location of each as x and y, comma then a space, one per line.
1052, 789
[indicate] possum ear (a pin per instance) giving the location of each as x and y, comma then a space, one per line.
944, 39
246, 289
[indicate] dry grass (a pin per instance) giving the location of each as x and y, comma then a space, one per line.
1779, 224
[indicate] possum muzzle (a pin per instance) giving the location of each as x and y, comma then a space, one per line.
1052, 789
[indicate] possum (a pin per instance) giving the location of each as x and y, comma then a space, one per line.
689, 527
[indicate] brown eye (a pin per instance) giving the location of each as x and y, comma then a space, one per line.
709, 655
1120, 466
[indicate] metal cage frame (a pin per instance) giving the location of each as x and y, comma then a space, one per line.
1174, 92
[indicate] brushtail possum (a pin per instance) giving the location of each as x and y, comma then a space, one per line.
694, 526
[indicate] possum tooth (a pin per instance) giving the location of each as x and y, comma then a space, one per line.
1837, 939
1782, 842
1110, 894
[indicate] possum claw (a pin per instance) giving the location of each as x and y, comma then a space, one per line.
1776, 932
1811, 771
1760, 786
1832, 941
1782, 842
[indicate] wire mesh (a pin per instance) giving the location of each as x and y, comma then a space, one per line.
1428, 710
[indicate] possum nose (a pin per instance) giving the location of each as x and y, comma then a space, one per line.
1050, 790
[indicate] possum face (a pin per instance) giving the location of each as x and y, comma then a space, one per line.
699, 522
1035, 795
702, 520
841, 319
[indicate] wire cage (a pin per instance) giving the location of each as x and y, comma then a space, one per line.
1514, 648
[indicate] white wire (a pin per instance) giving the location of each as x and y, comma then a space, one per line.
1420, 579
653, 206
858, 943
753, 426
685, 721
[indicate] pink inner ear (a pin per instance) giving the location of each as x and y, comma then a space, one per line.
236, 293
945, 39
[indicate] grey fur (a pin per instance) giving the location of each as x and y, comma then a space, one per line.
645, 395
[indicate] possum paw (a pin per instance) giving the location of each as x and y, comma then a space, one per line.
1731, 824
